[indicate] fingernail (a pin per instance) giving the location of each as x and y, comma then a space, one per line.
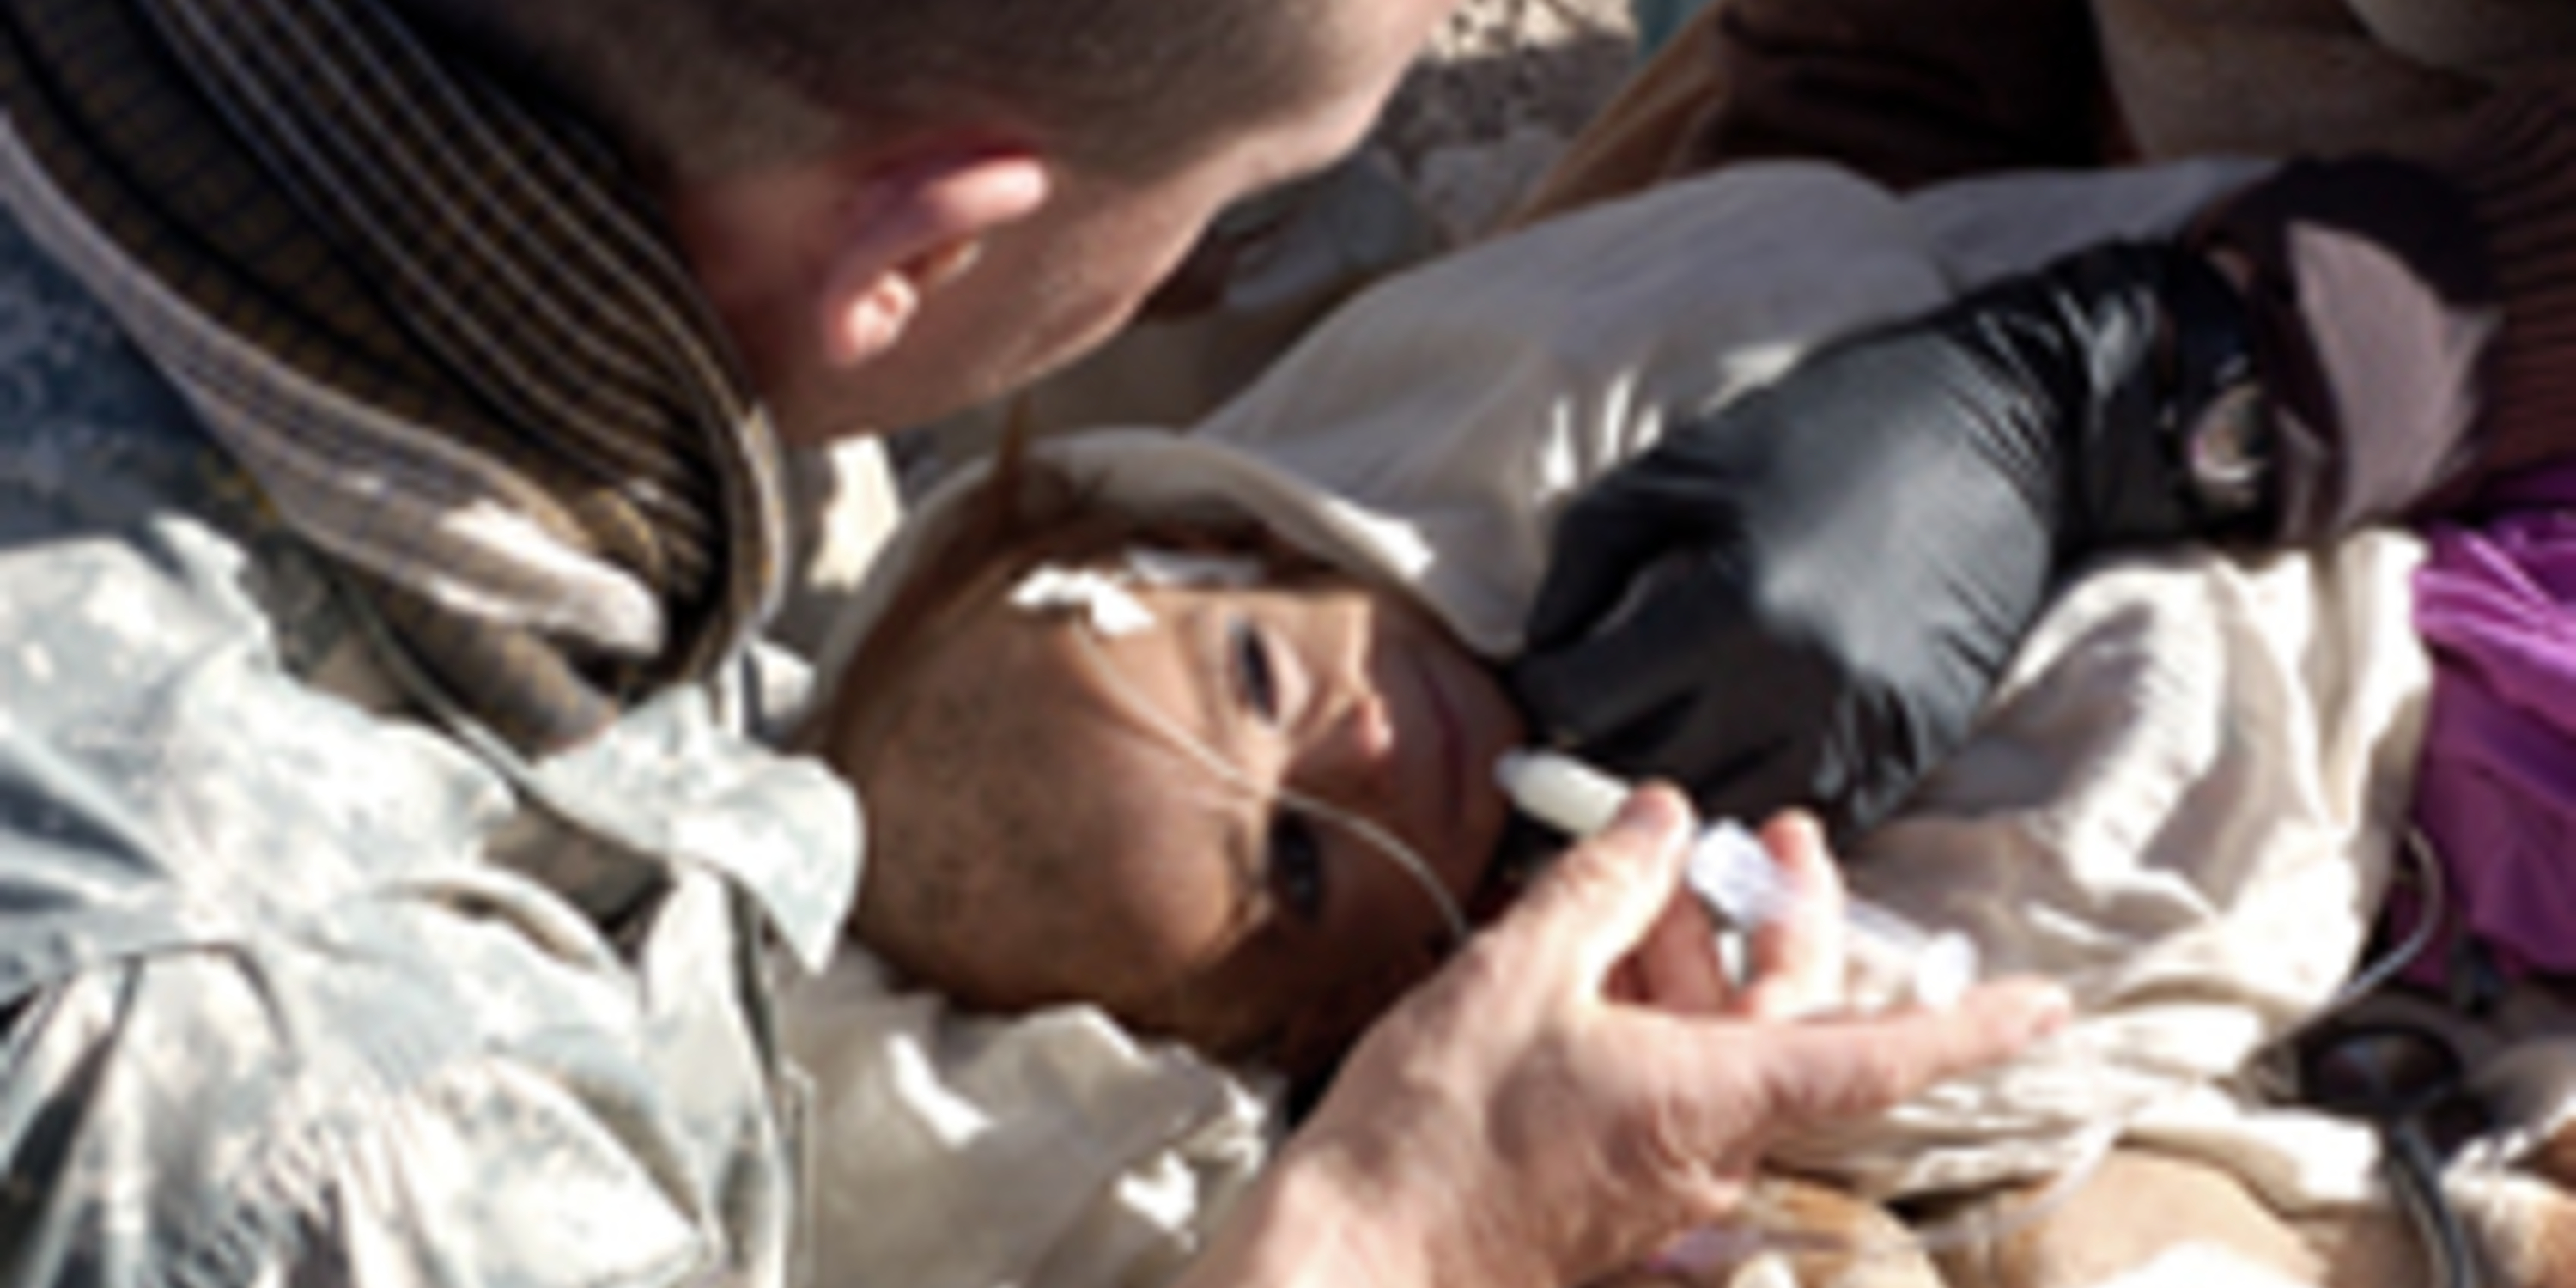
2051, 1006
1653, 814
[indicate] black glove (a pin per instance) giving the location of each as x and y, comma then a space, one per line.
1805, 598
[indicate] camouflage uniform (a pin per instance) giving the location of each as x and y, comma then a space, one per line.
292, 977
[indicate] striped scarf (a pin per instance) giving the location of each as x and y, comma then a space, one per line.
440, 327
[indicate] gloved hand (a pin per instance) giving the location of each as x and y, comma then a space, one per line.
1804, 598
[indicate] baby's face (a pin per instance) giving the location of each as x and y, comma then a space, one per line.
1239, 920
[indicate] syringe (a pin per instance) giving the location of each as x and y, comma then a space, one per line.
1729, 870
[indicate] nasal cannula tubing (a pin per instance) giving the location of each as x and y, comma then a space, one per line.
1728, 869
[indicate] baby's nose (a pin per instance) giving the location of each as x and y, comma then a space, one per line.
1357, 750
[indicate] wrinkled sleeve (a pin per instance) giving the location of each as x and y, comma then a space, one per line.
268, 1019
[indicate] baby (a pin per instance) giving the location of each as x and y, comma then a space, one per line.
1183, 771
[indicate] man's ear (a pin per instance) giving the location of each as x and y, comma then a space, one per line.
915, 223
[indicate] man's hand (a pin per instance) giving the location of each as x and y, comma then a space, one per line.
1581, 1084
1805, 598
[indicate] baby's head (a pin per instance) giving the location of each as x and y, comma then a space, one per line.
1227, 794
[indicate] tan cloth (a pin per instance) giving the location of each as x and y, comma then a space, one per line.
1905, 92
436, 324
1910, 93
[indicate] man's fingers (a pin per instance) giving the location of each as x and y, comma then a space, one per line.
1797, 961
1678, 967
1596, 905
1846, 1068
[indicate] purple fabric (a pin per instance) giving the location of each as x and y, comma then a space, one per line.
2496, 792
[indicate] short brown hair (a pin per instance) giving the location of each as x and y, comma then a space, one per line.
958, 834
701, 87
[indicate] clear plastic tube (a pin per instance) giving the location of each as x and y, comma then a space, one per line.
1731, 872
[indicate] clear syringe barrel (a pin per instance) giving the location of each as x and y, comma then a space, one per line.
1729, 870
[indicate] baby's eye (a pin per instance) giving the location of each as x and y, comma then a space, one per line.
1256, 679
1295, 865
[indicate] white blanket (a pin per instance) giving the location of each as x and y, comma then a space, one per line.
2184, 804
947, 1150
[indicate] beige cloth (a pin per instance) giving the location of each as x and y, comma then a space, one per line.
2183, 804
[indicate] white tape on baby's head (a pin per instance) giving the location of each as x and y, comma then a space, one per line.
1102, 598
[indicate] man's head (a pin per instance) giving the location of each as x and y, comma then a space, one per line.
899, 208
1236, 823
